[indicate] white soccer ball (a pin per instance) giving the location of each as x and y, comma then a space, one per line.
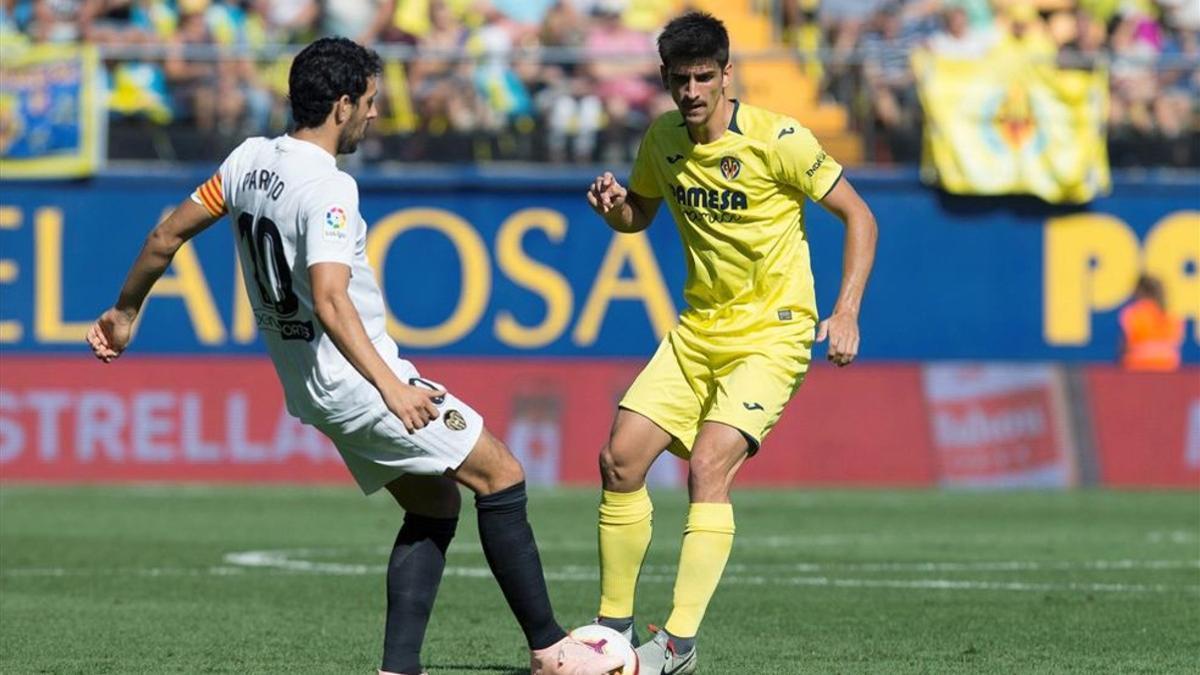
605, 640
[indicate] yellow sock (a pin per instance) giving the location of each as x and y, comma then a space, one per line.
625, 519
707, 540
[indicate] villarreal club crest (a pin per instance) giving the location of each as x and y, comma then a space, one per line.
730, 167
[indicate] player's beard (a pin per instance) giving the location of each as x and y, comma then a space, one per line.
350, 137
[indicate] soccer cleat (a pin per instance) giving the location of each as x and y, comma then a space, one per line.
630, 633
572, 657
658, 657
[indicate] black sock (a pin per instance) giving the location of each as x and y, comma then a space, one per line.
414, 572
512, 554
682, 645
620, 625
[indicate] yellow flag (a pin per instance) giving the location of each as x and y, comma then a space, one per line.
1010, 124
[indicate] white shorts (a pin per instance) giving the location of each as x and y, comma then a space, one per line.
378, 449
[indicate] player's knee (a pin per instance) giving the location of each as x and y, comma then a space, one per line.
615, 474
708, 477
490, 467
504, 470
510, 472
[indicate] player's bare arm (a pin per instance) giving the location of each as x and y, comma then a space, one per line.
342, 323
623, 210
841, 328
111, 333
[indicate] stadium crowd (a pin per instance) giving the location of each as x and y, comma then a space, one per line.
1151, 48
576, 80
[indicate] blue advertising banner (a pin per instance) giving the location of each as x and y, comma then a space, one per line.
511, 263
50, 118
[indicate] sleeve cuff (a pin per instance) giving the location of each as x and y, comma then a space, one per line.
833, 184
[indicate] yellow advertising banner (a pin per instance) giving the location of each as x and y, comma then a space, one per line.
1011, 124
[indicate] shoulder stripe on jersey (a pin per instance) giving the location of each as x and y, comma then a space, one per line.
210, 196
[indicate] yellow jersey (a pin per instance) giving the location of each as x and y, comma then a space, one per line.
739, 205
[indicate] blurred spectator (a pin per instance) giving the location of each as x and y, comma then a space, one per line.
958, 39
1151, 338
889, 78
497, 84
1025, 34
623, 72
58, 20
802, 30
577, 80
1136, 42
288, 21
526, 15
363, 21
444, 37
1176, 117
442, 87
14, 17
572, 108
192, 81
979, 14
1183, 15
1083, 48
649, 16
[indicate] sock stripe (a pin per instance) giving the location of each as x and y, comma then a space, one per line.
706, 517
625, 508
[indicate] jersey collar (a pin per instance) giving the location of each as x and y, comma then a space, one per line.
733, 125
292, 144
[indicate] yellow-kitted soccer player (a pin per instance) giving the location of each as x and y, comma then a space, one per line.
735, 178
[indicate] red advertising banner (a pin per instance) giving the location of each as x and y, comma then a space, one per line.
1147, 427
223, 419
1000, 425
857, 426
196, 419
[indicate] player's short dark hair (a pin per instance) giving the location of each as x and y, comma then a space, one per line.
695, 36
1150, 287
325, 71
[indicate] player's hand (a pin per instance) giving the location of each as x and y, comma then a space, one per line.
414, 406
606, 194
842, 331
110, 334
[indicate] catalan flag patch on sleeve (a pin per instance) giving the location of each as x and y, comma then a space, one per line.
210, 196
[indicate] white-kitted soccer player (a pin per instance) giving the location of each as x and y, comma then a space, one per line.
301, 246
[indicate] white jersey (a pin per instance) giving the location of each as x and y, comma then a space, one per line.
291, 208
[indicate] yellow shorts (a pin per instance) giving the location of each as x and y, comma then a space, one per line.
695, 378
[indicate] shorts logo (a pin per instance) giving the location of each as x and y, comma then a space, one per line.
785, 315
785, 132
674, 158
455, 421
730, 167
422, 382
335, 224
752, 406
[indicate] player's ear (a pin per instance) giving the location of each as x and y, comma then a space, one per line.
342, 109
727, 75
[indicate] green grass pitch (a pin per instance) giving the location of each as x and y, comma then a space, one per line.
290, 579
